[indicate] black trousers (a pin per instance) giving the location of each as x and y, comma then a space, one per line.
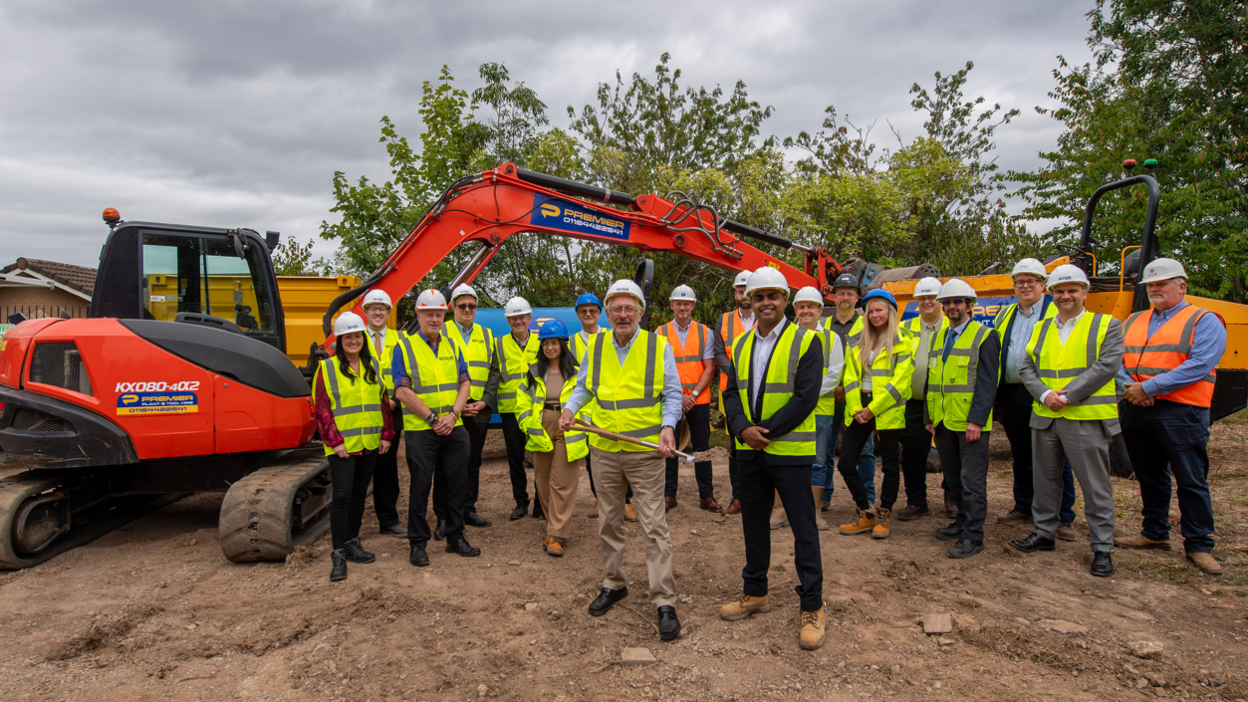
448, 455
699, 419
1171, 439
386, 478
477, 431
760, 481
349, 477
916, 444
734, 471
853, 441
515, 439
965, 464
628, 495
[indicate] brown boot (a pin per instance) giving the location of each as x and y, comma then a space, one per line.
778, 518
880, 530
820, 522
630, 514
1206, 562
743, 607
864, 525
951, 506
553, 546
1141, 541
593, 513
734, 507
812, 630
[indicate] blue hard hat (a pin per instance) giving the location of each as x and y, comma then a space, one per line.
881, 294
553, 329
588, 299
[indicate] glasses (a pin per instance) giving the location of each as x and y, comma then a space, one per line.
953, 301
623, 310
466, 307
1029, 283
586, 311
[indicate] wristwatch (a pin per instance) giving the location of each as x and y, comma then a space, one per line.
432, 418
695, 394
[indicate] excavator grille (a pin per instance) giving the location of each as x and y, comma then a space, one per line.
33, 420
58, 363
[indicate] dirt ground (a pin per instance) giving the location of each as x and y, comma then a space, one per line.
153, 611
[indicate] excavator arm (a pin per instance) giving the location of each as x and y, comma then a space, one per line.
487, 208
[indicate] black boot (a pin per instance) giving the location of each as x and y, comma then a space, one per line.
356, 553
462, 547
537, 510
339, 558
419, 557
439, 532
471, 518
518, 512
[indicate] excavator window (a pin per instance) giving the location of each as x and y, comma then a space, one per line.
204, 275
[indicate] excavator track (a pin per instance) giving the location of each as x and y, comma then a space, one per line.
19, 492
277, 508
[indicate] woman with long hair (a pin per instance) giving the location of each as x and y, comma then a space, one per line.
877, 385
558, 456
349, 397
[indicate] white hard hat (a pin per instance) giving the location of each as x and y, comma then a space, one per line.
742, 278
461, 290
683, 292
430, 300
377, 297
347, 323
809, 294
1160, 269
956, 288
1067, 273
624, 286
516, 306
1032, 266
927, 286
767, 279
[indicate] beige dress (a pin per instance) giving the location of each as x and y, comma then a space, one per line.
556, 479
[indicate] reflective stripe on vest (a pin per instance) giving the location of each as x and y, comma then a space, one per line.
891, 374
478, 354
777, 387
1057, 364
855, 331
389, 341
827, 403
629, 396
951, 382
513, 364
730, 329
688, 360
435, 379
1169, 347
356, 404
533, 394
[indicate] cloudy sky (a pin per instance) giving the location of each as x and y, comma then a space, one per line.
237, 113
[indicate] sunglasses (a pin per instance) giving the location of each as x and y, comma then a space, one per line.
954, 301
466, 307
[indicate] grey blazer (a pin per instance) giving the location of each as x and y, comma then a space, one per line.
1101, 371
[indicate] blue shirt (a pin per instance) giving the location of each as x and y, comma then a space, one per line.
398, 369
671, 396
1208, 345
1020, 334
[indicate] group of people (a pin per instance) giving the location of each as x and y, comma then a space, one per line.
1049, 368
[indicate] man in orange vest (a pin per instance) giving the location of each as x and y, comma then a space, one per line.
730, 326
695, 361
1169, 366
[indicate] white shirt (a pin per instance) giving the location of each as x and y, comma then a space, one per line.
836, 366
747, 323
763, 346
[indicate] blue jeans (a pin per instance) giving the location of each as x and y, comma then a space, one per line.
824, 468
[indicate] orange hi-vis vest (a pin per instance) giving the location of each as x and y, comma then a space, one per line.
1169, 347
730, 328
688, 356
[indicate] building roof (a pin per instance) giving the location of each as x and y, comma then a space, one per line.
79, 278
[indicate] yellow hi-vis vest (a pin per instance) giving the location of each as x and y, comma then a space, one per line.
1002, 322
513, 364
855, 332
891, 375
388, 342
477, 353
532, 401
827, 403
356, 404
1058, 363
578, 345
435, 379
951, 382
629, 397
777, 388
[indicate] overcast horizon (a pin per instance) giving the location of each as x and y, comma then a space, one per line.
238, 114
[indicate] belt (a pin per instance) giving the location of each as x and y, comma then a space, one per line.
553, 406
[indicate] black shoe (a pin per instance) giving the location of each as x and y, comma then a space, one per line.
339, 558
395, 530
603, 602
949, 533
462, 547
1034, 542
439, 532
471, 518
537, 511
356, 553
1102, 564
669, 625
965, 548
518, 512
419, 557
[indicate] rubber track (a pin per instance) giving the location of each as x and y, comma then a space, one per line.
256, 516
15, 489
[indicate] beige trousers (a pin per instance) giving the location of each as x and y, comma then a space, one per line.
556, 480
646, 471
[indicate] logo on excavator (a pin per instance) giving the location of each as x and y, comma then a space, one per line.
549, 210
553, 213
129, 399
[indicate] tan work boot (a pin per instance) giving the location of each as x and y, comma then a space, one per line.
819, 520
880, 530
593, 513
630, 515
743, 607
1206, 562
812, 629
864, 525
778, 518
553, 546
1141, 541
